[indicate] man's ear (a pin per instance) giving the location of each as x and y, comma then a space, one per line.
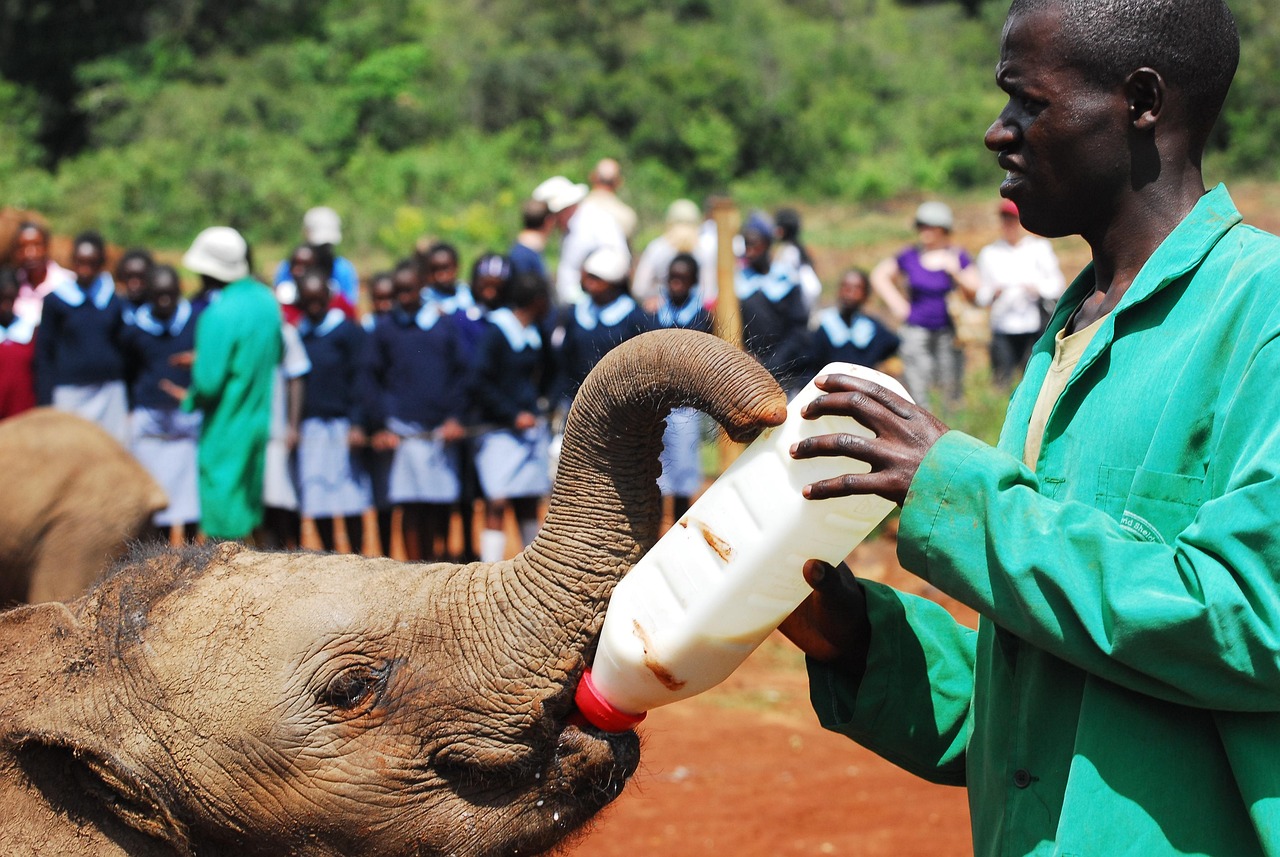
1145, 90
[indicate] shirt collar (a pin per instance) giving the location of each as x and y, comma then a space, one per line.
588, 315
331, 320
859, 331
775, 285
518, 336
146, 321
669, 315
450, 303
20, 331
101, 291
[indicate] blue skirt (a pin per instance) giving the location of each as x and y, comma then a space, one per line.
331, 476
423, 470
514, 464
681, 462
164, 442
279, 485
106, 404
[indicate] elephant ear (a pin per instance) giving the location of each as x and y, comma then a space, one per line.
65, 757
53, 760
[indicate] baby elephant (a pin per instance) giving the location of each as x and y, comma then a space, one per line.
220, 701
75, 497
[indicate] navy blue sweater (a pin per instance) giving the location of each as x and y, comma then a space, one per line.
581, 348
78, 345
332, 385
148, 345
507, 382
412, 374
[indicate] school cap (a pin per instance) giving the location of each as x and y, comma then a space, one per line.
322, 225
559, 193
219, 252
609, 263
934, 214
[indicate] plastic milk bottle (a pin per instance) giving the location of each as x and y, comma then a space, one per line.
729, 571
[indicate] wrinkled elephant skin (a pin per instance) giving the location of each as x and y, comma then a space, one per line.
218, 701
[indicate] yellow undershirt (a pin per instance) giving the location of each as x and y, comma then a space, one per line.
1067, 351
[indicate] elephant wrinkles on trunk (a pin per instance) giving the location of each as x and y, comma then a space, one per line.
218, 701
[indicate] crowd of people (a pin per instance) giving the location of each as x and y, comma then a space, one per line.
258, 407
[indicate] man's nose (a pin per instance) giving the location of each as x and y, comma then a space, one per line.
1000, 135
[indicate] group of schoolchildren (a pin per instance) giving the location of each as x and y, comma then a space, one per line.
444, 392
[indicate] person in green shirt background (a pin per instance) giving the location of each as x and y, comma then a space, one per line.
1121, 543
236, 351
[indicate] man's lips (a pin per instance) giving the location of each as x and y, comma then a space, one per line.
1008, 162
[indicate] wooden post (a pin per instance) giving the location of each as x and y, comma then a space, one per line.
728, 315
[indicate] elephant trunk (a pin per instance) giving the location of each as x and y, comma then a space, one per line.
606, 509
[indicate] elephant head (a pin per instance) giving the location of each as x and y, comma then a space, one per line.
219, 701
76, 498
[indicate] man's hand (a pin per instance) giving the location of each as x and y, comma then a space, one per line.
185, 359
831, 625
903, 434
525, 421
356, 437
167, 386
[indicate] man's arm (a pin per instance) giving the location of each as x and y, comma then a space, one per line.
1195, 621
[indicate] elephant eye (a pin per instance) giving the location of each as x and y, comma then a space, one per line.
353, 687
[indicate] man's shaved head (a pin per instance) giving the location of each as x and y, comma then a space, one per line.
1193, 44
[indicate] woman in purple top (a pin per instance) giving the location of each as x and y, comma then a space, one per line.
927, 271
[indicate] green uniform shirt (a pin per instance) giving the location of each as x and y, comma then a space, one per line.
1122, 692
237, 350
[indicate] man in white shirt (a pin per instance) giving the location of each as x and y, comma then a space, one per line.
1018, 274
586, 228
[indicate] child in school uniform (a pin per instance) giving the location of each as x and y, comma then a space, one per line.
79, 360
17, 351
847, 335
331, 475
416, 375
382, 301
775, 317
162, 436
511, 376
602, 319
680, 306
455, 298
133, 279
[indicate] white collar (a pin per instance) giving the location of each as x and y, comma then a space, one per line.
101, 291
449, 304
428, 316
671, 316
588, 315
518, 336
860, 331
332, 319
145, 320
775, 285
20, 330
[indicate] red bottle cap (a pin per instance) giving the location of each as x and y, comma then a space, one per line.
599, 711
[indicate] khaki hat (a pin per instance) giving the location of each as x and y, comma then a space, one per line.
934, 214
219, 252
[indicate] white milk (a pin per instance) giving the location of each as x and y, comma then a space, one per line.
727, 574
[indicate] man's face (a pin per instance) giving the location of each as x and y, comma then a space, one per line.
1062, 140
442, 269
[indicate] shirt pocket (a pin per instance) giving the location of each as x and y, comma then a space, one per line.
1161, 505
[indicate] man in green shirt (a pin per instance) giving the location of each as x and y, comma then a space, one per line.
1122, 542
237, 348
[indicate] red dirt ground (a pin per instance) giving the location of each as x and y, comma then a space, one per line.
745, 770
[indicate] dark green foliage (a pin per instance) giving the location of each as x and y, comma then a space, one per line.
418, 116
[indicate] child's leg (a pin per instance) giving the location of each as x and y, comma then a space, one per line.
324, 527
384, 531
436, 531
526, 509
412, 522
355, 532
493, 541
679, 505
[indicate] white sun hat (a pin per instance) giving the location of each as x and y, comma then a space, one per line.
219, 252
